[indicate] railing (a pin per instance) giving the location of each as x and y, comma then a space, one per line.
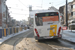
8, 31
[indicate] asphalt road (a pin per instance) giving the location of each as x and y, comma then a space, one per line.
26, 40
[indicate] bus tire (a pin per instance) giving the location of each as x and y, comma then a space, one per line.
56, 39
61, 36
36, 37
39, 40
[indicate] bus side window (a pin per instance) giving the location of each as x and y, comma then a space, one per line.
37, 21
40, 21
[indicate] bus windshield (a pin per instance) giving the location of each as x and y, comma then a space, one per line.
43, 18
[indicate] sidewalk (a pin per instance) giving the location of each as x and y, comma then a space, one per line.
68, 35
10, 36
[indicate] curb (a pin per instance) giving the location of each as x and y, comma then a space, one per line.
10, 36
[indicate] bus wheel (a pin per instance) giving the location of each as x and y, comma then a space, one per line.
39, 40
61, 36
36, 38
56, 39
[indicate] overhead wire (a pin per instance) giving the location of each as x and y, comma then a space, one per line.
60, 3
18, 9
19, 14
26, 6
22, 3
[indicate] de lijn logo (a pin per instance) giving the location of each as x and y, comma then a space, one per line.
51, 28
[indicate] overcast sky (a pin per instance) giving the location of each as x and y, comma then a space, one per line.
19, 8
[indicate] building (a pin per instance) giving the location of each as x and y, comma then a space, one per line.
31, 15
62, 10
62, 14
3, 16
53, 8
5, 19
71, 12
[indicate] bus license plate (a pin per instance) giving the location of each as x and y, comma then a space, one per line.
48, 37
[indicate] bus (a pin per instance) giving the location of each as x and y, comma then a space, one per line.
47, 25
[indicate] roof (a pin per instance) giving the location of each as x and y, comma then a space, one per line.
31, 13
53, 8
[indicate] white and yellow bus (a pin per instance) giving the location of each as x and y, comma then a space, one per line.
47, 25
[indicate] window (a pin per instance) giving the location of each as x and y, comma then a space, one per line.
73, 13
73, 6
42, 18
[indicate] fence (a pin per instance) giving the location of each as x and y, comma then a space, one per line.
8, 31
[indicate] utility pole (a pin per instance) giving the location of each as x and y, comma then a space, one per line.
6, 16
66, 14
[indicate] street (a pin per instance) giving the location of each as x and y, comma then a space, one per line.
26, 41
37, 24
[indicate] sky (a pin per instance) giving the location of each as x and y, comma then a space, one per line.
19, 9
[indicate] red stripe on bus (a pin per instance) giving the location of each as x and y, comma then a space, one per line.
37, 32
59, 31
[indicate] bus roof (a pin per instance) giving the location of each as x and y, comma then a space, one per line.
43, 11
